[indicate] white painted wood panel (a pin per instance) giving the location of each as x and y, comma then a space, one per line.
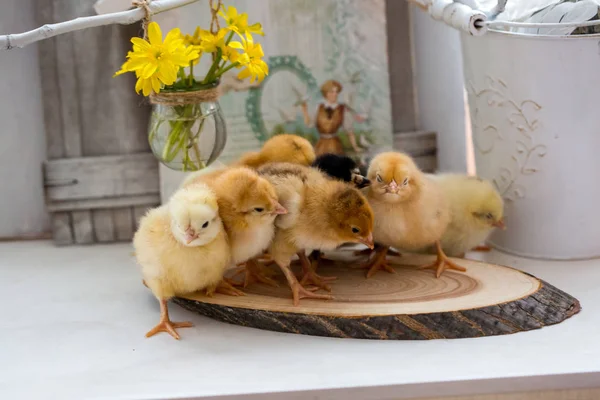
23, 148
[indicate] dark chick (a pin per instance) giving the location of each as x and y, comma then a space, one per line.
340, 167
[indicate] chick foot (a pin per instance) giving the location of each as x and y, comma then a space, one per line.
379, 262
299, 291
265, 257
255, 272
482, 248
367, 252
310, 276
224, 287
166, 325
442, 263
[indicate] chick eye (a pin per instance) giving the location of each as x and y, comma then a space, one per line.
355, 230
259, 209
489, 216
378, 177
205, 225
405, 182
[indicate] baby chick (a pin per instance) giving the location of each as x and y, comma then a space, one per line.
410, 208
345, 169
181, 248
248, 206
476, 208
281, 148
341, 167
322, 214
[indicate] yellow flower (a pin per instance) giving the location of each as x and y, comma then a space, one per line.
256, 68
155, 62
230, 54
193, 40
239, 22
211, 42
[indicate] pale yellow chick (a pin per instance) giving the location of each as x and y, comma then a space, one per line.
476, 208
411, 210
181, 248
248, 205
281, 148
322, 214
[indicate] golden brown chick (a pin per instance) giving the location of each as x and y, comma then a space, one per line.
476, 208
182, 247
248, 205
281, 148
322, 214
411, 210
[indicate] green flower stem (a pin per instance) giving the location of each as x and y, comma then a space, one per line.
210, 75
191, 76
181, 74
226, 43
229, 38
198, 156
223, 70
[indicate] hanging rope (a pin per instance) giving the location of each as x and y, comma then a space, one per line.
214, 20
145, 4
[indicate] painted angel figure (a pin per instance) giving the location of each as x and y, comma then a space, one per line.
330, 116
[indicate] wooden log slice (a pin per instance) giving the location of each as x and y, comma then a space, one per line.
411, 304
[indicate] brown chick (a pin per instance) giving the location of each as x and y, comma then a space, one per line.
248, 206
322, 214
182, 247
411, 211
281, 148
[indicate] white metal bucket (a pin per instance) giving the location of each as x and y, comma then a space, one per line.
535, 111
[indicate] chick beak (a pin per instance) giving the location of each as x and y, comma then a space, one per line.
279, 209
500, 224
190, 235
368, 241
359, 180
392, 187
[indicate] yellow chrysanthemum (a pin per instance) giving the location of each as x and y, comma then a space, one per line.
155, 62
210, 42
256, 68
239, 22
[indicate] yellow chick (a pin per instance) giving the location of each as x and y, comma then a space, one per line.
322, 214
182, 248
281, 148
476, 208
248, 205
411, 211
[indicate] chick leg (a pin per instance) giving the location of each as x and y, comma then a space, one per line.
379, 262
310, 276
165, 324
255, 272
442, 263
298, 291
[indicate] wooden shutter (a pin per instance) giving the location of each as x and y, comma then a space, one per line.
419, 144
100, 176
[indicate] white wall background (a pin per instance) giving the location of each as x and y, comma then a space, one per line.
22, 137
440, 88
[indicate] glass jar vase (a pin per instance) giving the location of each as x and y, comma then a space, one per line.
187, 129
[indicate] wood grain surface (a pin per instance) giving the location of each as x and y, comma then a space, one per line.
410, 304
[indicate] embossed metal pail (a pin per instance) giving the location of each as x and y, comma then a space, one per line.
534, 104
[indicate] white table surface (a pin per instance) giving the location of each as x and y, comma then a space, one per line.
73, 321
